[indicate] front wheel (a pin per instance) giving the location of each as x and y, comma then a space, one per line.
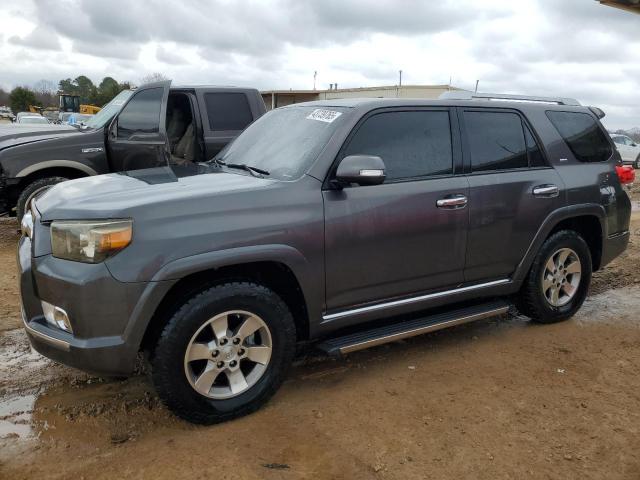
559, 279
224, 353
32, 190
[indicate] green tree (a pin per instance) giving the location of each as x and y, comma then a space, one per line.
20, 98
67, 86
107, 89
86, 89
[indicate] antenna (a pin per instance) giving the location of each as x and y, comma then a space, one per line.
315, 74
477, 82
400, 82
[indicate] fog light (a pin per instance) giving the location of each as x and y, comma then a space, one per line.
56, 317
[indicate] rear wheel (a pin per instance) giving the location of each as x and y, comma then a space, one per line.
32, 190
224, 353
636, 164
559, 279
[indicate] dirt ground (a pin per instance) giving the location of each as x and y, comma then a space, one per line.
496, 399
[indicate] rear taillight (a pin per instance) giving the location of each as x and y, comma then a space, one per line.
626, 174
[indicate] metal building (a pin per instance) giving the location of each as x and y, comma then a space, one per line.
280, 98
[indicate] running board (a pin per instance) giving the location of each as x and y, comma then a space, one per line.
391, 333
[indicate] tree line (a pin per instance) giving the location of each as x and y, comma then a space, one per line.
45, 92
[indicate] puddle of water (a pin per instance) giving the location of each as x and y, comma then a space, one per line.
15, 416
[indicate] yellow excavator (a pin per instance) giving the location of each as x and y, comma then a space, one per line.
71, 103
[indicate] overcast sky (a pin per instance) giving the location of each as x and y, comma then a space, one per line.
575, 48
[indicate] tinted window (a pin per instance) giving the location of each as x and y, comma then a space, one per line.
496, 141
586, 140
411, 144
618, 140
228, 111
141, 114
533, 149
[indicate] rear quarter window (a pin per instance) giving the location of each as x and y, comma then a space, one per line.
583, 135
228, 111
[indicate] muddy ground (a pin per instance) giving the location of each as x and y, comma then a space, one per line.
496, 399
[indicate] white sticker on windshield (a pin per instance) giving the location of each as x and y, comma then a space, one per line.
322, 115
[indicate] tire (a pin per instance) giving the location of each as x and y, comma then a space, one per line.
539, 297
176, 375
636, 164
34, 189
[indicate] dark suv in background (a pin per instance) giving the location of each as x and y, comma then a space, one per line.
153, 125
352, 222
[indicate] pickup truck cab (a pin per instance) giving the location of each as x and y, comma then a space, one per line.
150, 126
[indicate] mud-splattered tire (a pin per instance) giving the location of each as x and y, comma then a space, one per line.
34, 189
204, 349
551, 292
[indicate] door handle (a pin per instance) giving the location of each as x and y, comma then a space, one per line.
546, 191
452, 202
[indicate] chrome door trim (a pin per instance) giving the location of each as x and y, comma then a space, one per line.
409, 301
455, 202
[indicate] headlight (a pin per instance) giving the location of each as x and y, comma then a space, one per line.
89, 242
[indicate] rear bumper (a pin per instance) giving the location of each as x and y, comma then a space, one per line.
614, 246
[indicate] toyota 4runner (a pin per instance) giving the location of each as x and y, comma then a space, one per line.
348, 222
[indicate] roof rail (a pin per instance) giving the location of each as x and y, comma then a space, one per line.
465, 95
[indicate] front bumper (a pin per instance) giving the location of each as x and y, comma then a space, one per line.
100, 310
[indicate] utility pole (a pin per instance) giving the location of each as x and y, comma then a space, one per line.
315, 74
400, 82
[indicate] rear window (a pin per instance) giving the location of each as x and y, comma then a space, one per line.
228, 111
582, 134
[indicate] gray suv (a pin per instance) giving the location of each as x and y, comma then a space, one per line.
348, 223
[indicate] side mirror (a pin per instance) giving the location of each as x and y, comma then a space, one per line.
361, 169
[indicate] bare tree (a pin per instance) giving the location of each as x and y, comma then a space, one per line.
153, 77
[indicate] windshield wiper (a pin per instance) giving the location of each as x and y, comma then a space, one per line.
255, 171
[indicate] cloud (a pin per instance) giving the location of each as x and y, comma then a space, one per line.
40, 38
575, 48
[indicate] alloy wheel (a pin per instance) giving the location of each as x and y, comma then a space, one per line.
228, 354
561, 277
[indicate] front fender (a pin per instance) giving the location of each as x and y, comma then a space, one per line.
171, 273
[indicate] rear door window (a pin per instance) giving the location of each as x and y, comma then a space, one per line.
585, 138
496, 141
228, 111
412, 144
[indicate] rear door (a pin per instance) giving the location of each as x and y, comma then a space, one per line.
512, 190
407, 235
226, 114
137, 137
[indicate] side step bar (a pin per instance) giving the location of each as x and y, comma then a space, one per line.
391, 333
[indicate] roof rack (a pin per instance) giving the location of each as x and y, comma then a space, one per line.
464, 95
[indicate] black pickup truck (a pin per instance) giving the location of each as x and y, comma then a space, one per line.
152, 125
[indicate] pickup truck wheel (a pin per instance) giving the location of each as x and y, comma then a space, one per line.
559, 279
224, 353
34, 189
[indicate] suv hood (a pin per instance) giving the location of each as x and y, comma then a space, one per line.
11, 135
121, 194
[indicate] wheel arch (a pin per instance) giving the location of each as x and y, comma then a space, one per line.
589, 220
276, 275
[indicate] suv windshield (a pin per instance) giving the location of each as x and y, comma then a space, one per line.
285, 141
101, 118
